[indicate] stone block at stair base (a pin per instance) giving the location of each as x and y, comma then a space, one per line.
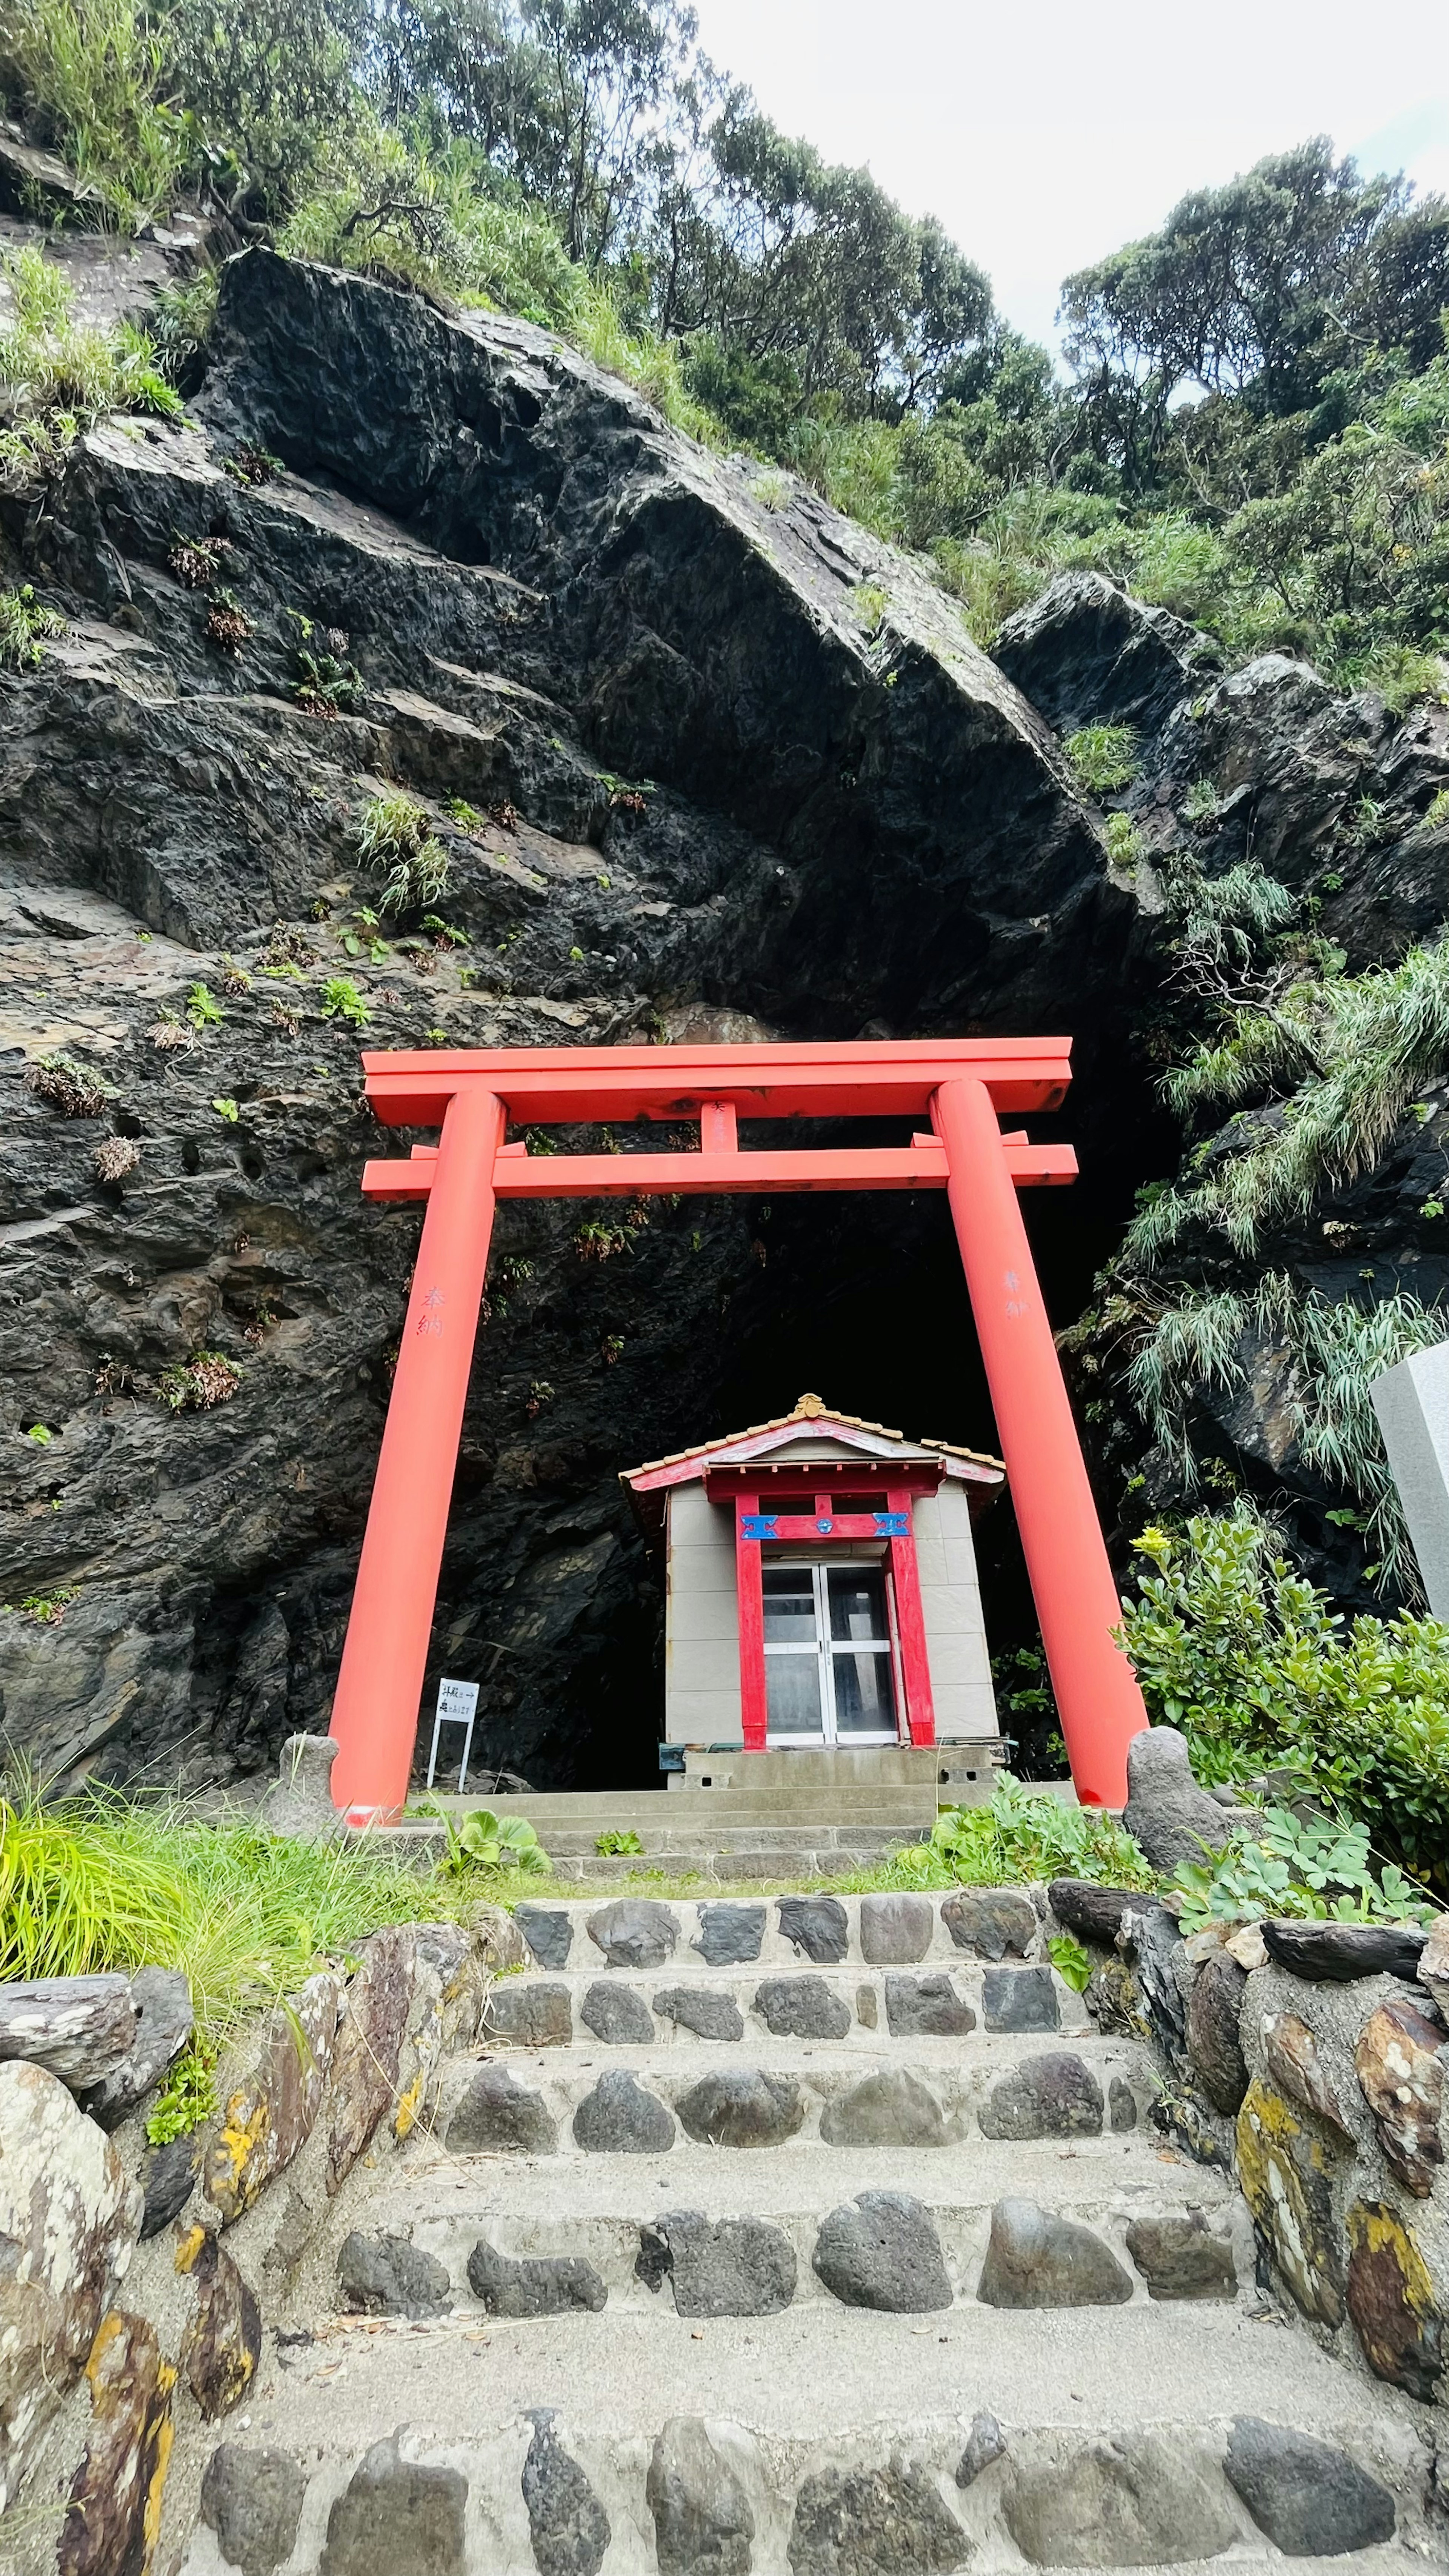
703, 2010
616, 2014
1311, 2499
873, 2522
222, 2344
252, 2500
271, 2112
548, 1931
895, 1930
891, 2109
1036, 2260
730, 1935
1181, 2258
802, 2008
817, 1926
1132, 2501
389, 2276
704, 2524
883, 2253
567, 2524
1019, 1999
636, 1932
991, 1922
726, 2267
1286, 2168
741, 2107
524, 2014
499, 2116
1054, 2096
1121, 2107
394, 2514
533, 2285
619, 2118
926, 2008
1401, 2075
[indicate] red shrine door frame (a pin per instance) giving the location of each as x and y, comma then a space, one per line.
961, 1084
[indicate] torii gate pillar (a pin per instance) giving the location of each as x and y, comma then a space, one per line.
960, 1083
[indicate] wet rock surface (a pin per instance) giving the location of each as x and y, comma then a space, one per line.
533, 2285
621, 2118
389, 2276
1311, 2499
704, 2524
252, 2500
727, 2267
883, 2252
1035, 2259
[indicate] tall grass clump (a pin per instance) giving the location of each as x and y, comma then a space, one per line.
89, 73
62, 375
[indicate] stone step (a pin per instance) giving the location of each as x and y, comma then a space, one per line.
899, 2230
794, 2448
995, 1925
731, 2007
570, 2101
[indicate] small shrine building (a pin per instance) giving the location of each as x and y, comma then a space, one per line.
822, 1591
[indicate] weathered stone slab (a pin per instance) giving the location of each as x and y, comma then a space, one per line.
1286, 2172
1433, 1969
818, 1927
635, 1932
500, 2116
1052, 2096
617, 2014
169, 2176
1181, 2258
708, 2013
253, 2500
873, 2522
704, 2524
730, 1935
1035, 2259
395, 2513
222, 2344
270, 2115
1213, 2040
1137, 2500
991, 1922
1151, 1937
1339, 1952
926, 2008
1400, 2065
1312, 2500
548, 1931
1019, 1999
77, 2028
619, 2118
1093, 1913
1121, 2107
525, 2012
299, 1805
389, 2276
567, 2524
1291, 2055
890, 2109
1391, 2300
368, 2052
164, 2023
802, 2008
68, 2224
883, 2253
741, 2107
895, 1929
115, 2498
726, 2267
533, 2285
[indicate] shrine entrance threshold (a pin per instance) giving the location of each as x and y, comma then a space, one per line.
964, 1086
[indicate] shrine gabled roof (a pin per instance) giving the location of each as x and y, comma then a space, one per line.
811, 1418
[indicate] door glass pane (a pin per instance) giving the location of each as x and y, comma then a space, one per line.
857, 1602
789, 1606
792, 1694
863, 1694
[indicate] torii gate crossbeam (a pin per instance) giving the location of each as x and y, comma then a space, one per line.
961, 1084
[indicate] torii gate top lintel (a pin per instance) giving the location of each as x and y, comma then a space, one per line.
962, 1085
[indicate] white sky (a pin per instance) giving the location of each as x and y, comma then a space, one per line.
1047, 133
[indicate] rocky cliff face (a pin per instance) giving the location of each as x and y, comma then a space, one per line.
727, 765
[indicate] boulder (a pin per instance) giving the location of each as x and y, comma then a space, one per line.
895, 1929
1036, 2260
617, 2014
725, 2267
1292, 2061
802, 2008
169, 2176
78, 2028
1136, 2500
367, 2057
548, 1931
708, 2013
1339, 1952
1287, 2175
1311, 2499
1181, 2257
1054, 2096
704, 2524
1396, 2315
69, 2218
253, 2500
883, 2253
635, 1932
1167, 1814
567, 2524
1086, 653
1093, 1913
164, 2024
222, 2344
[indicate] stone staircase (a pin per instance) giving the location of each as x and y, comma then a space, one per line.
809, 2234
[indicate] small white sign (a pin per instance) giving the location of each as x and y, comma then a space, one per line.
457, 1706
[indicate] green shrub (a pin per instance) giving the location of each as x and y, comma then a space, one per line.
1243, 1654
26, 627
188, 2096
1298, 1869
1103, 757
1023, 1834
617, 1845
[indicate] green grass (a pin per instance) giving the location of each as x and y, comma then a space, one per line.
92, 70
61, 375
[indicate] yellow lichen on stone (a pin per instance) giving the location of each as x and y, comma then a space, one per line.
164, 2436
1375, 2229
231, 2176
1284, 2171
188, 2246
409, 2104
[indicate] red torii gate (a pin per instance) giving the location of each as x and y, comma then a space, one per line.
961, 1083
